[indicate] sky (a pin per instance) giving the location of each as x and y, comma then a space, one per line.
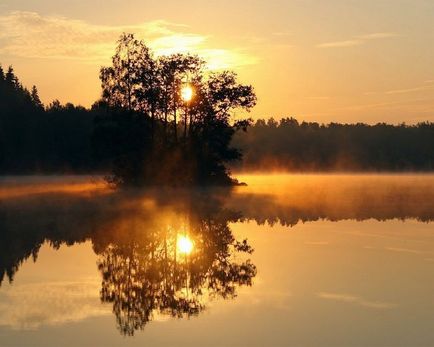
326, 61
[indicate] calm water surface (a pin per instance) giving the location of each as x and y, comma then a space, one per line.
289, 260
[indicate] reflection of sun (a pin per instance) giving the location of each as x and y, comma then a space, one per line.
186, 93
184, 245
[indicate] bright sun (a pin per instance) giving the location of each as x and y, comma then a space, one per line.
186, 93
184, 245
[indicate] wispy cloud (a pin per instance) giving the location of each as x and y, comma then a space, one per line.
357, 40
318, 97
317, 243
410, 90
376, 36
356, 300
346, 43
281, 34
427, 85
31, 35
30, 306
404, 250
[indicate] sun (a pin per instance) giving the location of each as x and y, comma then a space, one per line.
184, 245
187, 93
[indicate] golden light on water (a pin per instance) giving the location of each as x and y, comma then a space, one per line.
187, 93
185, 245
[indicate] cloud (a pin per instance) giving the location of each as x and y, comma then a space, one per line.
356, 300
375, 36
281, 34
347, 43
29, 306
358, 40
318, 97
428, 85
317, 243
409, 90
404, 250
31, 35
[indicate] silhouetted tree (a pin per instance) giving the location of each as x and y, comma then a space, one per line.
35, 98
145, 93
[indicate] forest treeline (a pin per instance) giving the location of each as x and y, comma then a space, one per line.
42, 139
309, 146
142, 131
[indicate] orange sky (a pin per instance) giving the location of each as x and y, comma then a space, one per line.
335, 60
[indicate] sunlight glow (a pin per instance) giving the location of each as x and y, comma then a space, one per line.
187, 93
184, 245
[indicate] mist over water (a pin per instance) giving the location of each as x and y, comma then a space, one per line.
290, 198
313, 254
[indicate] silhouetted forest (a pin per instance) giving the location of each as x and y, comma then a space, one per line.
308, 146
38, 139
168, 120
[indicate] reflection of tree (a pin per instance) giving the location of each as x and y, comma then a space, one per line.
135, 237
146, 275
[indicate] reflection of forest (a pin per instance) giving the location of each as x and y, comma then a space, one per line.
144, 272
135, 236
291, 199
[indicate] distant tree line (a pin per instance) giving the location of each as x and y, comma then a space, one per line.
38, 139
308, 146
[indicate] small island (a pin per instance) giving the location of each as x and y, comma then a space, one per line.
167, 120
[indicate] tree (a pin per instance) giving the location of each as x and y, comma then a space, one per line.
35, 98
143, 92
10, 77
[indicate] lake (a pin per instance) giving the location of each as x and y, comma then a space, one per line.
288, 260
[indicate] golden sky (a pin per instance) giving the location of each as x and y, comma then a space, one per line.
335, 60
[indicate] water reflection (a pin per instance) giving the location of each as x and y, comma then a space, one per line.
154, 269
149, 256
156, 255
292, 199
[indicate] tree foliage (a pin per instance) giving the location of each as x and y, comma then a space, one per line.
154, 135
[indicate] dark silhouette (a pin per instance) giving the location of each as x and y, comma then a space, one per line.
293, 146
56, 139
165, 120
